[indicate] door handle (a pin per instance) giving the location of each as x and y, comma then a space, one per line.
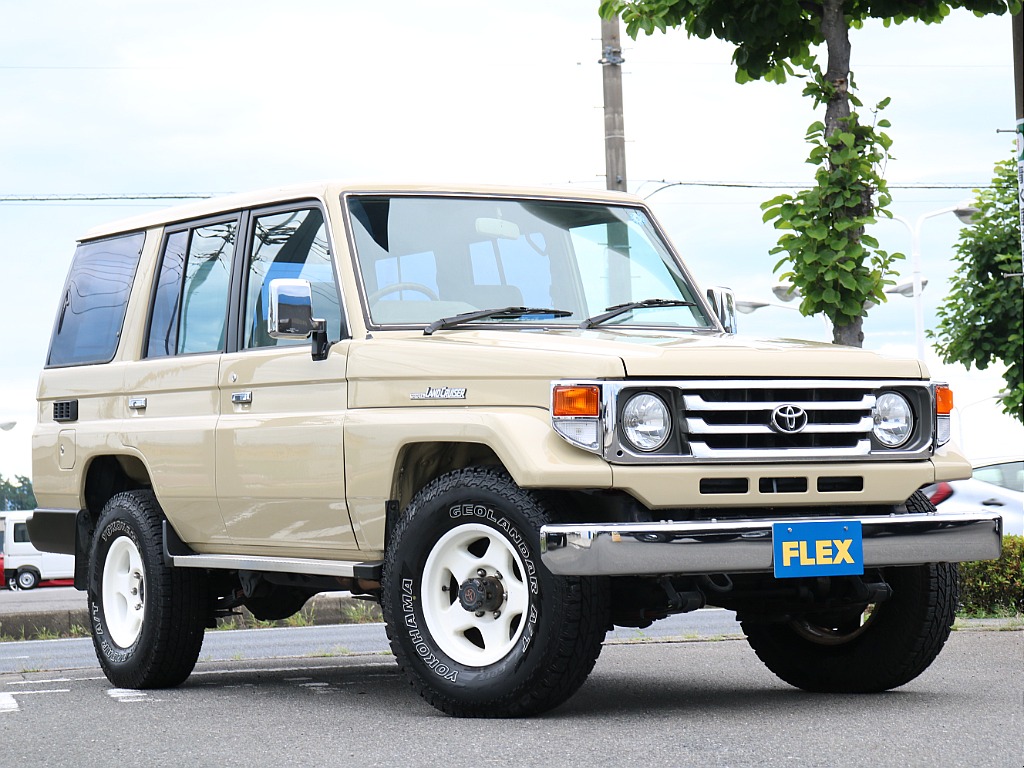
992, 503
137, 403
241, 398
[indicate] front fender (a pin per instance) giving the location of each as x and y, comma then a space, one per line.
522, 439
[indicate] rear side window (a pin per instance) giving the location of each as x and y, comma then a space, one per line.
94, 301
21, 534
189, 312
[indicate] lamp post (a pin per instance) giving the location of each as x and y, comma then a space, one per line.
965, 212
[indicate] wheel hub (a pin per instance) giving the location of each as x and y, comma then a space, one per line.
483, 593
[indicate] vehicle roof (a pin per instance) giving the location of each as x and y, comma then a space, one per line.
329, 189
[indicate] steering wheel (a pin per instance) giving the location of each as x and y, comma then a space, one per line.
396, 287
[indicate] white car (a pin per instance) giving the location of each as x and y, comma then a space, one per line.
996, 486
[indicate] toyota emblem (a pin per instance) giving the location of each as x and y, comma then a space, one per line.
789, 419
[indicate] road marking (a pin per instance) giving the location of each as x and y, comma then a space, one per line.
9, 704
41, 682
126, 694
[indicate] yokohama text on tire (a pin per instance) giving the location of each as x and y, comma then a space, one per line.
480, 627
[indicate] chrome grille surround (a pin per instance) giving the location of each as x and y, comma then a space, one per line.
732, 420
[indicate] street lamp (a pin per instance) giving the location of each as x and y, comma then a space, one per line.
966, 213
7, 426
906, 289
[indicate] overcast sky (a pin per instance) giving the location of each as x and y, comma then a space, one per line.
111, 97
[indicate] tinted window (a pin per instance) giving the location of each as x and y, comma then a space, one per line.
163, 327
95, 300
290, 245
189, 311
21, 533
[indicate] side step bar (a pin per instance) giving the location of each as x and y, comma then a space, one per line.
180, 555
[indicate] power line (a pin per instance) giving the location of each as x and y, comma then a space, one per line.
796, 185
85, 197
92, 197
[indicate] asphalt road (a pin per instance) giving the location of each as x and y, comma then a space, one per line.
649, 702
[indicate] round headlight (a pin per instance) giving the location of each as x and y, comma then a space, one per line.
894, 421
646, 422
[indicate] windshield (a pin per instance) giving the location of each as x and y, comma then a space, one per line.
425, 258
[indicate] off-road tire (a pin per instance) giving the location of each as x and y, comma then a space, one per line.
522, 667
897, 642
159, 626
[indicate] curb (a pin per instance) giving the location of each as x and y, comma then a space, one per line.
321, 609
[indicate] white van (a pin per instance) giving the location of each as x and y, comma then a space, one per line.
24, 565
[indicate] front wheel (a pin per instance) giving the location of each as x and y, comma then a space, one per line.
148, 618
478, 624
881, 648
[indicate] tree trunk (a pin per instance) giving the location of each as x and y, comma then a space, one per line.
837, 72
837, 41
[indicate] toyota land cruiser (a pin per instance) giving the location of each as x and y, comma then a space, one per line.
509, 415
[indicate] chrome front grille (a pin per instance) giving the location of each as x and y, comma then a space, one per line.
720, 421
769, 420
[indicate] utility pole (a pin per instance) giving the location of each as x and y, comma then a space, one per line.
614, 130
1018, 80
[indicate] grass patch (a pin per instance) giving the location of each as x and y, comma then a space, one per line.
362, 612
994, 588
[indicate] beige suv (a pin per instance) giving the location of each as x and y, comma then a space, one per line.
509, 415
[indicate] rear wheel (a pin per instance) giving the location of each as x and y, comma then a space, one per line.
477, 623
148, 618
883, 647
27, 579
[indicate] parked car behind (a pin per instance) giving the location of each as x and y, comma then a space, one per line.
997, 485
24, 566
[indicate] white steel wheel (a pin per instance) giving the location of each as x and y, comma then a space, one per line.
124, 592
475, 595
27, 579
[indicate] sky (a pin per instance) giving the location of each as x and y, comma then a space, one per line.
136, 97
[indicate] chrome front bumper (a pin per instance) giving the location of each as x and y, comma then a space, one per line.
745, 546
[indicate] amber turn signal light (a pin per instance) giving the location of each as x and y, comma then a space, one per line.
943, 400
576, 401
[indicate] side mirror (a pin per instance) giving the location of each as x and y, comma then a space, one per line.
290, 314
723, 301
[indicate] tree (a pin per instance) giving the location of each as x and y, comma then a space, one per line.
17, 495
838, 268
981, 320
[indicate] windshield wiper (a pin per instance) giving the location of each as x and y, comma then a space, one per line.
621, 309
502, 313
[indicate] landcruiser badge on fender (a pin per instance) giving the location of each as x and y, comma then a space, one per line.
440, 393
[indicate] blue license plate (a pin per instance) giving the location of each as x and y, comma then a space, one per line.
819, 548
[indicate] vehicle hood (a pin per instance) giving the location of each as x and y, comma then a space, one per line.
516, 367
679, 354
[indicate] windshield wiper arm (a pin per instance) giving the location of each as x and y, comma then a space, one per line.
621, 309
501, 313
